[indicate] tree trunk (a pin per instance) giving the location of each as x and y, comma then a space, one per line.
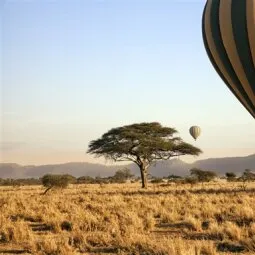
47, 190
143, 171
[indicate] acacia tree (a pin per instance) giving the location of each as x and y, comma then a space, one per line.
143, 144
122, 175
248, 175
230, 176
56, 181
203, 176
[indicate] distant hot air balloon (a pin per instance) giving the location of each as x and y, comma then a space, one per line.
229, 38
195, 131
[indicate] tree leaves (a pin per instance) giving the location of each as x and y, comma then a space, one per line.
140, 143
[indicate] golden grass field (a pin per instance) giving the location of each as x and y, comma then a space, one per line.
124, 219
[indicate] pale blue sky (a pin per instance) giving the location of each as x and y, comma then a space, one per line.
73, 69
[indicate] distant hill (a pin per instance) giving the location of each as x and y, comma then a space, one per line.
231, 164
163, 168
10, 170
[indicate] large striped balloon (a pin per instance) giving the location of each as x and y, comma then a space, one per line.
195, 131
229, 38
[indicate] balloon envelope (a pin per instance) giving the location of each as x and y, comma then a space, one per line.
228, 28
195, 131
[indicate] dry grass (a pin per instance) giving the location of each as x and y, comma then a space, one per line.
123, 219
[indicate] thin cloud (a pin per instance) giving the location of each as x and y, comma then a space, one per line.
6, 146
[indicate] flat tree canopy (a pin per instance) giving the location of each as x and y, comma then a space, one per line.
141, 143
56, 181
202, 175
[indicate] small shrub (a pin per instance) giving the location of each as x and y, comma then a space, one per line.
67, 225
157, 180
58, 181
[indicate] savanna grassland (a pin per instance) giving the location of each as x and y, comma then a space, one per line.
124, 219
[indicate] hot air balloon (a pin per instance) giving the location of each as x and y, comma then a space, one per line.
195, 132
228, 28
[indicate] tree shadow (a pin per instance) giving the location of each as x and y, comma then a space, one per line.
14, 251
175, 192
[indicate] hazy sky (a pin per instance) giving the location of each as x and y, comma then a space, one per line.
73, 69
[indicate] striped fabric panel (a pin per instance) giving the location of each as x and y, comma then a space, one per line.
250, 12
229, 37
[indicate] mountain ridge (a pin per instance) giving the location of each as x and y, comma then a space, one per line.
160, 168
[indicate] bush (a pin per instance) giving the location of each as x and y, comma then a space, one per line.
248, 175
190, 180
67, 225
157, 180
202, 176
174, 177
231, 176
86, 180
121, 176
56, 181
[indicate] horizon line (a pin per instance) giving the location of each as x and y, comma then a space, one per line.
116, 163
